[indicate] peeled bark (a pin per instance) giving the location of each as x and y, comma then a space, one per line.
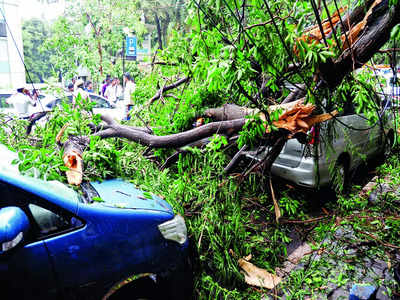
228, 112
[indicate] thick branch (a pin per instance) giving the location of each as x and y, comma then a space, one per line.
173, 140
33, 119
376, 33
228, 112
299, 92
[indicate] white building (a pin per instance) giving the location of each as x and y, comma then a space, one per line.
12, 71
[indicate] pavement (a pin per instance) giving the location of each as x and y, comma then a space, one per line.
348, 267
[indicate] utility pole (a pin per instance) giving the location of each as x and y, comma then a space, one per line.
123, 56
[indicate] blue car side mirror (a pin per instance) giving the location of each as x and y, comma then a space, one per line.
14, 224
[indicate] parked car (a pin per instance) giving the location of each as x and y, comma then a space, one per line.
392, 91
58, 244
102, 106
4, 106
343, 144
7, 108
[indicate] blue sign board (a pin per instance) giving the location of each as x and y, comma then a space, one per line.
131, 46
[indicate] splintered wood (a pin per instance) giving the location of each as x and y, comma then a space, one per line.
314, 34
73, 161
348, 38
296, 116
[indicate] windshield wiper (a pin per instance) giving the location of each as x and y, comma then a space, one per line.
88, 192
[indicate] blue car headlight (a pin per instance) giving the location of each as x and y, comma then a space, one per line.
174, 230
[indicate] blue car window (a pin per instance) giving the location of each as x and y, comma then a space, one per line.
47, 220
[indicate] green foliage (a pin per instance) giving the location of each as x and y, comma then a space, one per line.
88, 37
253, 131
225, 63
36, 58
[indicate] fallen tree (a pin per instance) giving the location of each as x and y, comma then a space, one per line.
295, 117
365, 29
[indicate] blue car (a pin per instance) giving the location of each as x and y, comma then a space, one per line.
112, 242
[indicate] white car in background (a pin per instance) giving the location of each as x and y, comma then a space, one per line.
9, 109
389, 89
102, 107
6, 108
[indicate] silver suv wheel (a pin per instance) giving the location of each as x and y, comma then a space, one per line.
387, 148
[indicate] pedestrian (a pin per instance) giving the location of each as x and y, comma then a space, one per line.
78, 90
106, 83
35, 94
36, 100
71, 88
119, 92
89, 86
130, 87
21, 101
111, 92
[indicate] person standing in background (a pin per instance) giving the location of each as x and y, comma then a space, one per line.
21, 101
119, 90
130, 87
111, 92
105, 85
89, 86
78, 90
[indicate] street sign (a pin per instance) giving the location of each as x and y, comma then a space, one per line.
131, 48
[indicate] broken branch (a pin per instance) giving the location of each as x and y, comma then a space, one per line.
167, 88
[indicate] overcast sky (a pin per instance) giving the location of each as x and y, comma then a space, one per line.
33, 8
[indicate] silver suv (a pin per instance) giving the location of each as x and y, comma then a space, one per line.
333, 152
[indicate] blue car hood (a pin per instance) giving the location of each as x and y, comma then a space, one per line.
123, 194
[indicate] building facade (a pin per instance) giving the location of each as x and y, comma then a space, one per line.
12, 71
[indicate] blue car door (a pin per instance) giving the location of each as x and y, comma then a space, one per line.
57, 229
25, 271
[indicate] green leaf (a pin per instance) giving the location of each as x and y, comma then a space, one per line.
97, 199
147, 195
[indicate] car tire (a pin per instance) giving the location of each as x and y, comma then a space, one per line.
387, 147
179, 284
340, 180
143, 288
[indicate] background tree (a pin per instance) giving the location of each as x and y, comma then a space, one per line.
37, 59
90, 34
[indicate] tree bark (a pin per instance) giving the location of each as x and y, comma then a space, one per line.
228, 112
375, 34
174, 140
159, 33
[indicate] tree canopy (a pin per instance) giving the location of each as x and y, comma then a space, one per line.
251, 54
37, 59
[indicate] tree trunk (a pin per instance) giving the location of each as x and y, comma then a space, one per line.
159, 33
165, 25
375, 34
